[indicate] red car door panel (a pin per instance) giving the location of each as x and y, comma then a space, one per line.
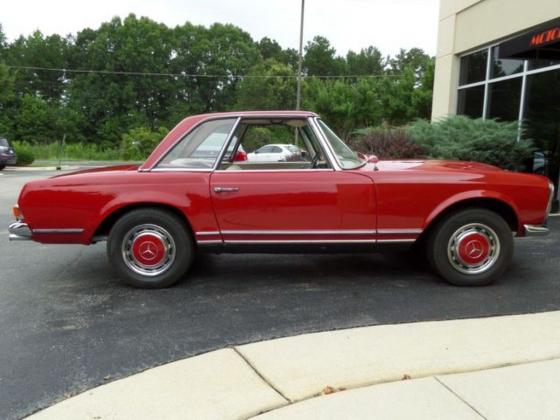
271, 203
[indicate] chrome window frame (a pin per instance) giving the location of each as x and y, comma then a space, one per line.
331, 150
164, 154
321, 142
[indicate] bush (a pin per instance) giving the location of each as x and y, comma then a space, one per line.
139, 142
386, 143
24, 151
462, 138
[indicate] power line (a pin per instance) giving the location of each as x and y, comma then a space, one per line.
206, 76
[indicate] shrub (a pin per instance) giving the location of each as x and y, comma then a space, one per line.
386, 143
72, 151
89, 151
24, 153
139, 142
463, 138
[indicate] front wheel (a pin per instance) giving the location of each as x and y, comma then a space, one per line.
471, 247
2, 166
150, 248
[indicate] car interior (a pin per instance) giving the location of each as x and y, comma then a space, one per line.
256, 144
253, 136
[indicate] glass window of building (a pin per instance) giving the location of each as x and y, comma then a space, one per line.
501, 67
504, 99
542, 120
471, 101
473, 67
544, 60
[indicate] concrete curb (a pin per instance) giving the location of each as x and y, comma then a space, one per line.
250, 379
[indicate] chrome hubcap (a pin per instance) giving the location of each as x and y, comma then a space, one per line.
473, 248
148, 250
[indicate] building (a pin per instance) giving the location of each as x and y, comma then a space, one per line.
501, 59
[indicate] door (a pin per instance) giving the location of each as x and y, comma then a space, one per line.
314, 205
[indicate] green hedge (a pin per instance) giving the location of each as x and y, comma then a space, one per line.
24, 151
463, 138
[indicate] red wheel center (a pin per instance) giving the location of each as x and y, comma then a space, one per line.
148, 249
473, 248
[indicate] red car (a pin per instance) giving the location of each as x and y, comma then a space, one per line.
198, 192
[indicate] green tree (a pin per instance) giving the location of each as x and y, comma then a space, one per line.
38, 50
269, 85
2, 42
221, 50
271, 49
35, 121
346, 104
7, 98
320, 58
112, 103
407, 87
369, 61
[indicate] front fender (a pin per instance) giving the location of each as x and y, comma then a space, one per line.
470, 195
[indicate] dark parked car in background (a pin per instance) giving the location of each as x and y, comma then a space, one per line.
7, 154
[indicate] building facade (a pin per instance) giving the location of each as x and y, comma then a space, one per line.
501, 59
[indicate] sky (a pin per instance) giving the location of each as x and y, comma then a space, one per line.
348, 24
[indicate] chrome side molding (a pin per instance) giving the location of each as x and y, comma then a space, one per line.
59, 231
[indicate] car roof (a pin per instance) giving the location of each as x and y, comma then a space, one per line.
260, 114
193, 120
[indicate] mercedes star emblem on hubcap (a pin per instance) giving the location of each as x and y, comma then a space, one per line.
148, 250
474, 249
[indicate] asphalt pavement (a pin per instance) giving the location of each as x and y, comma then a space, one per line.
67, 324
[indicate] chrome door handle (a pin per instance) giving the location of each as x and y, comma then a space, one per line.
225, 189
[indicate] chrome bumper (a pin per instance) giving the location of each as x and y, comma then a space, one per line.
19, 231
535, 230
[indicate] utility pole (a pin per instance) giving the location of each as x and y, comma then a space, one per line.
300, 58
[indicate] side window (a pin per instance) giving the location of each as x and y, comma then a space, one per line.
201, 147
265, 149
275, 144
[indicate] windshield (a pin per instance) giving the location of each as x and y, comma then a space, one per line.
347, 158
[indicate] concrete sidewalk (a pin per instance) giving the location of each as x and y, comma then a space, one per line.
457, 369
528, 391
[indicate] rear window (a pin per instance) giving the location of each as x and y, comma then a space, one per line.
201, 147
4, 143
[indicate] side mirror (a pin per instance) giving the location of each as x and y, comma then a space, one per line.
240, 156
372, 159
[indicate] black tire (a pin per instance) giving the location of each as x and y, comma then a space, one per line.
2, 166
458, 236
170, 239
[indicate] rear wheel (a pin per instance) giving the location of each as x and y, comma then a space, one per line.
471, 247
2, 166
150, 248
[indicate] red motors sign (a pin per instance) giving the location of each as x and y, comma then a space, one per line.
540, 42
545, 37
